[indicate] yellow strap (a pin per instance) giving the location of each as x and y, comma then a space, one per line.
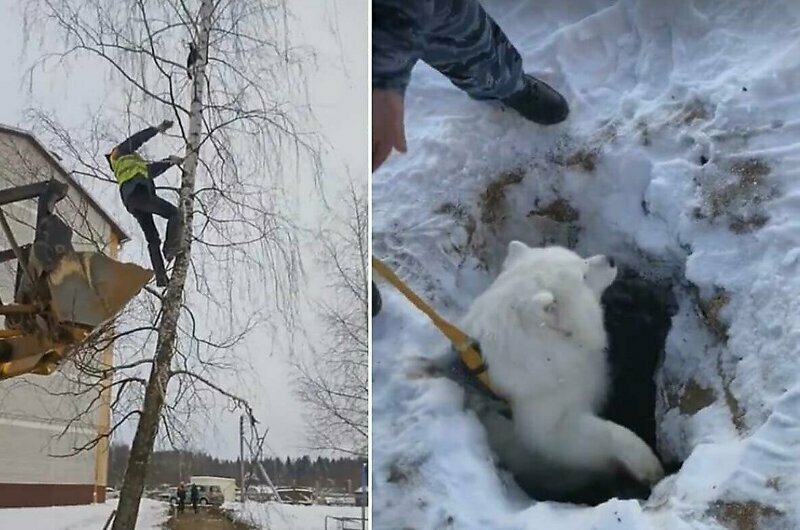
463, 344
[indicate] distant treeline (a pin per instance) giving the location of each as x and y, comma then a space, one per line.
171, 467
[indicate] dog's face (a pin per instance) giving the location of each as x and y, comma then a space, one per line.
596, 272
555, 288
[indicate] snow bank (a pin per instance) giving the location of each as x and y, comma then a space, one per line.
293, 517
680, 159
152, 515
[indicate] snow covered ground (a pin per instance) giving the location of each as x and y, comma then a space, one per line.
681, 159
290, 517
152, 514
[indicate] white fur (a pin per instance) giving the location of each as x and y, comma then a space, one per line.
540, 328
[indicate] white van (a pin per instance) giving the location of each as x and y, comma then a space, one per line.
226, 485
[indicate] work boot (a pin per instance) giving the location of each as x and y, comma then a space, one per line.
538, 102
170, 252
162, 280
173, 240
376, 300
158, 265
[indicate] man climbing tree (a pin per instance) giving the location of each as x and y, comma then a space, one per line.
135, 178
235, 241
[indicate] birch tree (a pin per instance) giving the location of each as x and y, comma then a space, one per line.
236, 128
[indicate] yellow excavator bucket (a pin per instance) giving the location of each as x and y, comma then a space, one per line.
81, 293
36, 362
88, 288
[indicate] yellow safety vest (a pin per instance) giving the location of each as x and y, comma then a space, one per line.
128, 166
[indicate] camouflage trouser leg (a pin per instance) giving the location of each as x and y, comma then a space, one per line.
465, 44
456, 37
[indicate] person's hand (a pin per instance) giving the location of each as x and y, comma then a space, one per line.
388, 128
164, 125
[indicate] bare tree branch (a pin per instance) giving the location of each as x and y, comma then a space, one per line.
239, 136
333, 381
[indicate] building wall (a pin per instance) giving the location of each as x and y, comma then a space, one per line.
36, 411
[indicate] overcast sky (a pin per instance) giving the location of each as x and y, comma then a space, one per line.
337, 90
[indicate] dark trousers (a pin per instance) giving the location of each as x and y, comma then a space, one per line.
181, 505
376, 300
140, 199
194, 505
456, 37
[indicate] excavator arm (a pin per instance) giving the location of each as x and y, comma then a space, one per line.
61, 297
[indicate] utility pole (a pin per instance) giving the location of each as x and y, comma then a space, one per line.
241, 456
364, 496
255, 455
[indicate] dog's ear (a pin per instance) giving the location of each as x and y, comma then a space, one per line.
515, 250
546, 308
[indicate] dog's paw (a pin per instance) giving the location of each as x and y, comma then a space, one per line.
640, 461
635, 457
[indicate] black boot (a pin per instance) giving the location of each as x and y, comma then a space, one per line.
173, 240
158, 264
538, 102
376, 300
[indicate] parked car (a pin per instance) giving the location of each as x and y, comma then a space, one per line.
170, 495
111, 493
295, 495
152, 494
339, 499
260, 494
207, 495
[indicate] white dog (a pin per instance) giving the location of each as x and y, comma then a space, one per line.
540, 328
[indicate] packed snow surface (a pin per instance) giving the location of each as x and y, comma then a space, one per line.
296, 517
152, 515
681, 159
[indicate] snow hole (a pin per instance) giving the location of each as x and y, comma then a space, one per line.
638, 309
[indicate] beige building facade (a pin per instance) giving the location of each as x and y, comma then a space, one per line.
37, 413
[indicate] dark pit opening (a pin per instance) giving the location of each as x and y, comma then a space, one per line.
638, 315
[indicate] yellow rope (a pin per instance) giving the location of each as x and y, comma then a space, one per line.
464, 345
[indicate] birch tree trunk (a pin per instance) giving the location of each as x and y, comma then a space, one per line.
240, 263
155, 393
